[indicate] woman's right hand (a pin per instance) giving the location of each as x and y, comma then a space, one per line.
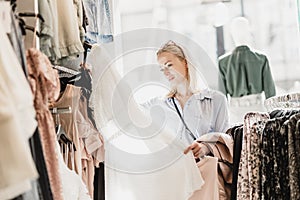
199, 149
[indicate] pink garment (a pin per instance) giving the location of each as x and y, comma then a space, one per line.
208, 169
88, 170
80, 130
45, 87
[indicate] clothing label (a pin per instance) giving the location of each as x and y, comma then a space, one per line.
5, 16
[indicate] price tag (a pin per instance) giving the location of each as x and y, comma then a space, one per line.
5, 16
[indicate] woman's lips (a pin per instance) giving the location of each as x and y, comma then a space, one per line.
171, 78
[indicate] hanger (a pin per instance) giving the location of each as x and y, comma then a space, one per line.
25, 27
13, 4
87, 46
60, 132
67, 70
29, 14
60, 110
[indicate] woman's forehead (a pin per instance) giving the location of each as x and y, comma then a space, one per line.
163, 57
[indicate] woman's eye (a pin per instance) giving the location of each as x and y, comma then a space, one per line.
169, 65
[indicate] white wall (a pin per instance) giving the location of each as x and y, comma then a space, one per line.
274, 23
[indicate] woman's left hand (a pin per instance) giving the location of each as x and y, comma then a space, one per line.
199, 150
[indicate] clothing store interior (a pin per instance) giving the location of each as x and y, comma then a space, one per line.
149, 99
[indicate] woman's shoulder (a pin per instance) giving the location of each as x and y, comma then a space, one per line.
154, 101
211, 94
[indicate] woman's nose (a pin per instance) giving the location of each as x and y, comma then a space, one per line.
166, 72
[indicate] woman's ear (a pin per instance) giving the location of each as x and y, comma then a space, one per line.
185, 63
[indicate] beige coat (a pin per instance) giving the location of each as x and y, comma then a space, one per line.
221, 146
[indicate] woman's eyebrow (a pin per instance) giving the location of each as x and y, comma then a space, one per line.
167, 62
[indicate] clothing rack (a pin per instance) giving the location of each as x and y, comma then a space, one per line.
283, 102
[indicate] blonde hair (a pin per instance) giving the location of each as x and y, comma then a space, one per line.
173, 48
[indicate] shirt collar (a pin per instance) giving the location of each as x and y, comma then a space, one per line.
204, 94
242, 48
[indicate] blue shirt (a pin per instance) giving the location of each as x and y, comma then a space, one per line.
203, 112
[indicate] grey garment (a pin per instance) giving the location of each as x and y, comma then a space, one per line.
245, 72
62, 33
49, 29
33, 193
72, 62
204, 112
16, 40
100, 26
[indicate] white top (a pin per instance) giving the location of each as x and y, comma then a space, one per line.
17, 124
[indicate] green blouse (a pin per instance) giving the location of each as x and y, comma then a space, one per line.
245, 72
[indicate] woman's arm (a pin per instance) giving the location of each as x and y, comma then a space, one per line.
221, 113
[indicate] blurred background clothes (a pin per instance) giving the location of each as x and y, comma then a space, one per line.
100, 24
239, 106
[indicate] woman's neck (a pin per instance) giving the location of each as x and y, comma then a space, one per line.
183, 90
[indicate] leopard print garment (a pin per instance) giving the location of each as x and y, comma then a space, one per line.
294, 156
250, 159
255, 157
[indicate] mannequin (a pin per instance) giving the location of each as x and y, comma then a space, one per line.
240, 31
244, 74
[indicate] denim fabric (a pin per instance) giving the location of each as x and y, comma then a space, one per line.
204, 112
99, 29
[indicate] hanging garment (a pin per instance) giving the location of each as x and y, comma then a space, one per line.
294, 158
61, 31
221, 147
268, 161
238, 138
82, 79
209, 170
240, 106
49, 40
33, 193
250, 157
87, 140
17, 124
37, 152
278, 144
100, 27
69, 31
245, 72
73, 187
71, 98
99, 182
44, 84
18, 86
16, 40
268, 167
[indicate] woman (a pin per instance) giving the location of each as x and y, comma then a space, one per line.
140, 162
198, 112
202, 111
160, 171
